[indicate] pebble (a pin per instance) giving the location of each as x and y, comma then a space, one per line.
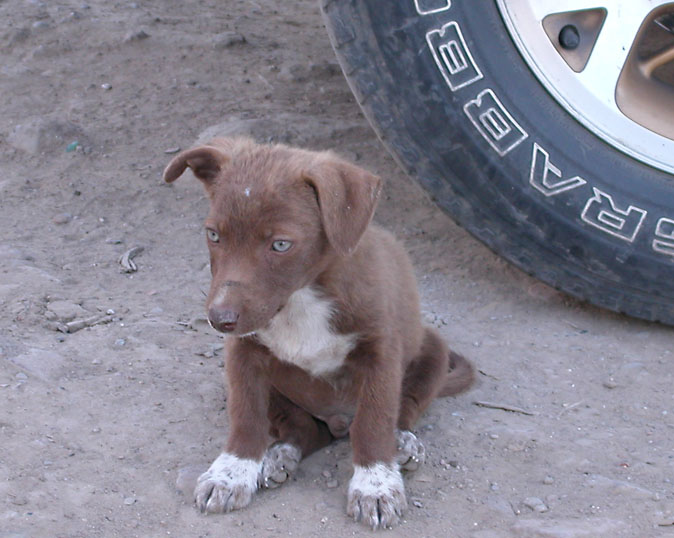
72, 16
73, 146
417, 503
170, 151
327, 474
535, 504
62, 218
228, 39
332, 484
610, 383
548, 480
106, 86
129, 501
138, 35
66, 310
120, 342
21, 376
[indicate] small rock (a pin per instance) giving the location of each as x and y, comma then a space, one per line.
62, 218
120, 342
21, 376
106, 86
332, 484
73, 146
138, 35
228, 39
66, 310
72, 16
170, 151
327, 474
129, 501
417, 503
535, 504
548, 480
610, 383
199, 323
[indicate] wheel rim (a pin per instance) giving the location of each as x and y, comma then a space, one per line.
611, 66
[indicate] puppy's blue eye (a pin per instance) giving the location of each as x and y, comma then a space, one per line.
212, 236
281, 245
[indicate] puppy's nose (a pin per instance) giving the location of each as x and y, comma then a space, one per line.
222, 319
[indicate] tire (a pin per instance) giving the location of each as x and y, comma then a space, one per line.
532, 183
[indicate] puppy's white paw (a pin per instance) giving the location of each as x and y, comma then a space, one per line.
229, 484
279, 462
376, 495
411, 452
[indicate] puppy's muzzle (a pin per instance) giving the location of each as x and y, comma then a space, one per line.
222, 319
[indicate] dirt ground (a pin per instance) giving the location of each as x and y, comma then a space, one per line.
110, 381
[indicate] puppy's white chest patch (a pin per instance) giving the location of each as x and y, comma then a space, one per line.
302, 334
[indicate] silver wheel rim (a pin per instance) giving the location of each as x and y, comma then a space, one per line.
610, 91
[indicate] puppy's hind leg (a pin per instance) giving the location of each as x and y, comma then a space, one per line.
298, 434
425, 378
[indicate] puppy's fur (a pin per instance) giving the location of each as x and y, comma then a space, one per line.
322, 313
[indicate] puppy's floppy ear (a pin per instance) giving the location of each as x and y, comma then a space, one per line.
205, 162
347, 197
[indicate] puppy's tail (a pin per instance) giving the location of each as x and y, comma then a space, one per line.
460, 377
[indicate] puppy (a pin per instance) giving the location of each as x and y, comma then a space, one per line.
322, 319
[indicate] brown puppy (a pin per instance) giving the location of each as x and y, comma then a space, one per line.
322, 313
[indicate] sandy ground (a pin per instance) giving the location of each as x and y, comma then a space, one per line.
103, 428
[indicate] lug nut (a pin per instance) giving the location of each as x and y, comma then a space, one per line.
569, 38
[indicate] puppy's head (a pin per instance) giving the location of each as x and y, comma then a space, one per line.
277, 217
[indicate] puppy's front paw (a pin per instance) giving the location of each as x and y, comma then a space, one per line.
228, 484
279, 462
411, 452
376, 495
